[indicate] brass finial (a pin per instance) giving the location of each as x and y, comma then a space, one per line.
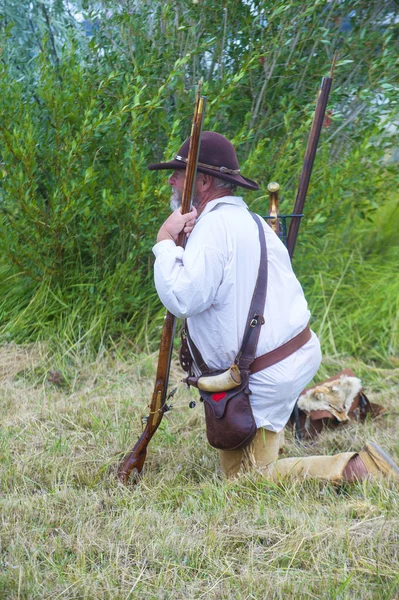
273, 187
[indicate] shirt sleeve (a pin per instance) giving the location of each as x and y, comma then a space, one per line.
187, 279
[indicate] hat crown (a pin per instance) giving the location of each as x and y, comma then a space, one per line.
215, 150
217, 157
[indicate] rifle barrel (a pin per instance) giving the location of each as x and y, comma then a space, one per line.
308, 161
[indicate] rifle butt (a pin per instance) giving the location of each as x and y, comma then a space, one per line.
133, 461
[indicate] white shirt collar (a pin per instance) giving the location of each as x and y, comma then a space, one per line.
235, 200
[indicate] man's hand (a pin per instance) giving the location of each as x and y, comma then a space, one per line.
176, 223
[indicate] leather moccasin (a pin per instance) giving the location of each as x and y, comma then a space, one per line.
378, 462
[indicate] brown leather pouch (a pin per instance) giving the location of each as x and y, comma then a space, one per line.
230, 423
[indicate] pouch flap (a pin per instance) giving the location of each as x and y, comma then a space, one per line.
219, 400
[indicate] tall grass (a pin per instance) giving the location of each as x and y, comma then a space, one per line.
354, 292
70, 530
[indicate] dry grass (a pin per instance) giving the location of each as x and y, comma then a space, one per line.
70, 530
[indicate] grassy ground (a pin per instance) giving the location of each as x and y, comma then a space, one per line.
70, 530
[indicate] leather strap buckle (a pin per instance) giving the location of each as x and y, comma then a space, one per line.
254, 321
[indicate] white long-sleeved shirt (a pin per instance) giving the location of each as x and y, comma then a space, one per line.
211, 283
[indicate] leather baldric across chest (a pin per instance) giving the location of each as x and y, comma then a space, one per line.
245, 359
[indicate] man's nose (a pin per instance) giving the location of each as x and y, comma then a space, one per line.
171, 179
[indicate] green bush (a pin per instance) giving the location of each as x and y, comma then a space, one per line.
80, 211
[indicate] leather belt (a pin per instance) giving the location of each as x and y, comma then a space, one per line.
282, 352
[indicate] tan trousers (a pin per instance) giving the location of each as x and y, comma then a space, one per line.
262, 454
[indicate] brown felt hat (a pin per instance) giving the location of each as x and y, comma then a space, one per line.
217, 157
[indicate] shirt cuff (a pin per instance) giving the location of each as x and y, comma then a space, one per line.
167, 247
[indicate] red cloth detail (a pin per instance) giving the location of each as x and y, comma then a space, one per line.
219, 396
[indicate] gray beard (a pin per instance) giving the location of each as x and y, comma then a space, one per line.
176, 199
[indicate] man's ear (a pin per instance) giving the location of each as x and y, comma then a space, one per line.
204, 182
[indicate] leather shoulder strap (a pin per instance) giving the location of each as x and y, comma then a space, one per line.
255, 319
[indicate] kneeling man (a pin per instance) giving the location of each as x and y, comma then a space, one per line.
210, 283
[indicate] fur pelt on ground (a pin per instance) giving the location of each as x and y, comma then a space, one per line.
335, 396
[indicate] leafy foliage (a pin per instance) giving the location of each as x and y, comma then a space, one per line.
95, 102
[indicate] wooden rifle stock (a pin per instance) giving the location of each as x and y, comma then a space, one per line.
135, 459
310, 154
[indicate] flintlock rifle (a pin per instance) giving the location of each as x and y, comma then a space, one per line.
279, 222
134, 460
310, 154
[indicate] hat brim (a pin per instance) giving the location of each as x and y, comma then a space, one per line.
237, 179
